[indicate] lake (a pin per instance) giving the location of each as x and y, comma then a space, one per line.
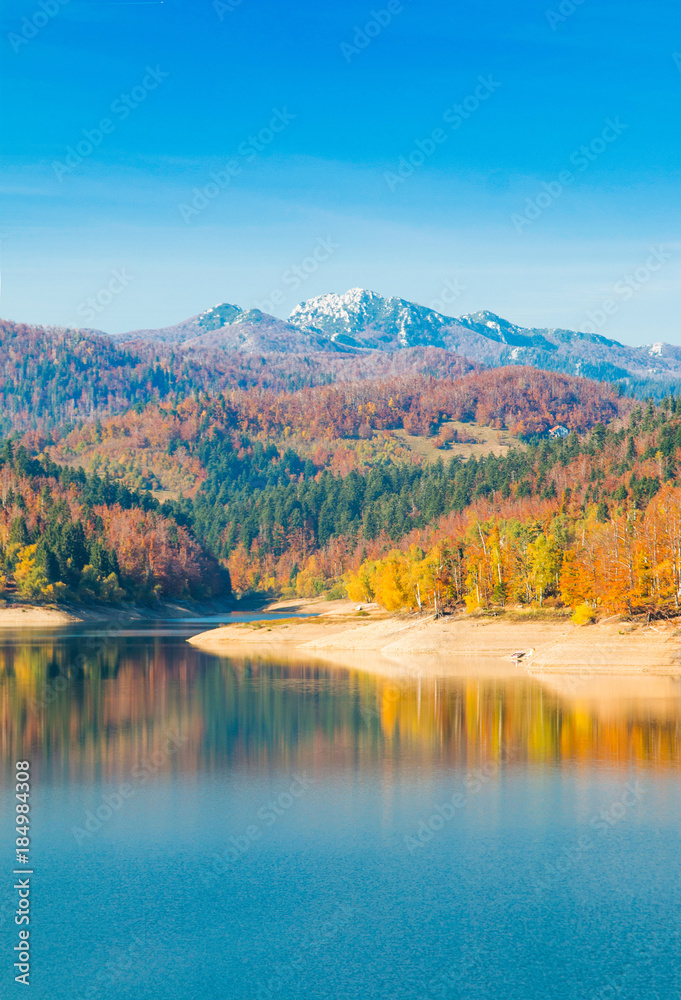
258, 828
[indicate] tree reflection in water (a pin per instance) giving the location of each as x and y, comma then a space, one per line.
103, 702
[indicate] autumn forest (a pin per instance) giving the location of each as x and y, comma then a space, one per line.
435, 487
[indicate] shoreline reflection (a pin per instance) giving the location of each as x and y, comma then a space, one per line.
97, 704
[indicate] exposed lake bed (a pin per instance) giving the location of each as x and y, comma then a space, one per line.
545, 644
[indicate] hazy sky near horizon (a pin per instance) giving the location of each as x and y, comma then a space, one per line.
521, 158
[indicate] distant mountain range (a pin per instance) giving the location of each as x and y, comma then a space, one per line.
361, 321
52, 377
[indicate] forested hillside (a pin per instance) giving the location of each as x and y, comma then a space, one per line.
68, 536
49, 378
263, 495
52, 379
146, 473
171, 447
587, 522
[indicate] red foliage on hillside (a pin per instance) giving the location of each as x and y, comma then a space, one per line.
524, 400
52, 376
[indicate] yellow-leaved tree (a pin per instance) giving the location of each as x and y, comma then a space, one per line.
545, 558
360, 586
29, 576
392, 583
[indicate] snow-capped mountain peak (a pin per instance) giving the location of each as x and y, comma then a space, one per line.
366, 319
361, 320
336, 313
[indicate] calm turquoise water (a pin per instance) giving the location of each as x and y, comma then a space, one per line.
207, 828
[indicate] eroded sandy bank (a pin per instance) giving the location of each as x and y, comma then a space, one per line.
25, 616
559, 646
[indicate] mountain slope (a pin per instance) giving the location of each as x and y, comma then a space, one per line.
362, 318
361, 321
571, 351
366, 320
166, 446
53, 377
230, 328
195, 326
50, 377
255, 332
69, 536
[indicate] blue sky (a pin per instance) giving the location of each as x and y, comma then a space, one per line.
368, 153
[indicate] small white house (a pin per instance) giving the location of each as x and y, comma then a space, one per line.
559, 431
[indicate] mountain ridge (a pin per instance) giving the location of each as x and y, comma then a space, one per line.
361, 320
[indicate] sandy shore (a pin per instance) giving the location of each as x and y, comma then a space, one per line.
25, 616
559, 646
32, 616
